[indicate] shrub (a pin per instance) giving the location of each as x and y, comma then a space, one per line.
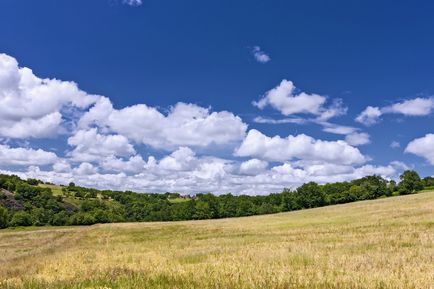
21, 218
4, 217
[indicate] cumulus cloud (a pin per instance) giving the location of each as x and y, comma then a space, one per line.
253, 166
211, 175
369, 116
260, 55
423, 147
85, 169
412, 107
181, 159
105, 142
91, 146
30, 106
134, 164
25, 157
301, 147
184, 125
357, 139
287, 101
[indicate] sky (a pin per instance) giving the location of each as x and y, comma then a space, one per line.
242, 97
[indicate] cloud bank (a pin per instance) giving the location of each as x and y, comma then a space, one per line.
186, 148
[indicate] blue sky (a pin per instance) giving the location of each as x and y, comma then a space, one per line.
297, 60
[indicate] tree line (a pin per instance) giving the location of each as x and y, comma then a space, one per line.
30, 203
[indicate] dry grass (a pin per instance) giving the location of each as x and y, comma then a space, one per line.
386, 243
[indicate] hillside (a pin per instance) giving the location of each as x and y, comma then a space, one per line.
387, 243
35, 203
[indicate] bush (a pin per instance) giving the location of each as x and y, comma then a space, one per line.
4, 217
21, 218
81, 218
60, 219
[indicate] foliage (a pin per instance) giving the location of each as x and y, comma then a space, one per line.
21, 218
4, 217
31, 202
410, 183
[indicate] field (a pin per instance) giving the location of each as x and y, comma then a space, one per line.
386, 243
57, 190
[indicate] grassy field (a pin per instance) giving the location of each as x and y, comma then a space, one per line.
387, 243
57, 190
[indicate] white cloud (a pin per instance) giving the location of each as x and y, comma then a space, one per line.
295, 120
423, 147
91, 146
412, 107
134, 164
337, 108
85, 169
369, 116
395, 145
25, 157
62, 166
337, 129
102, 141
212, 175
260, 55
30, 106
253, 166
184, 125
181, 159
132, 2
326, 126
285, 99
300, 147
357, 139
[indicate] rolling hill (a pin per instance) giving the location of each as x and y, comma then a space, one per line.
385, 243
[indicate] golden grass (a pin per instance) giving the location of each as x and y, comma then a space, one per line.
387, 243
57, 190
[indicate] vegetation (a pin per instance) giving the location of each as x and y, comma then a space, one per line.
33, 203
386, 243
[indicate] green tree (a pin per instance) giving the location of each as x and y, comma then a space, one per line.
33, 182
59, 219
202, 210
410, 183
310, 195
392, 186
4, 217
21, 218
428, 182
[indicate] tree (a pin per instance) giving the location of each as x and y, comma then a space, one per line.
202, 210
33, 182
410, 183
428, 182
310, 195
59, 219
4, 217
392, 186
21, 218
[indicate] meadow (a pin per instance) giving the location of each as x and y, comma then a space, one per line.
385, 243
